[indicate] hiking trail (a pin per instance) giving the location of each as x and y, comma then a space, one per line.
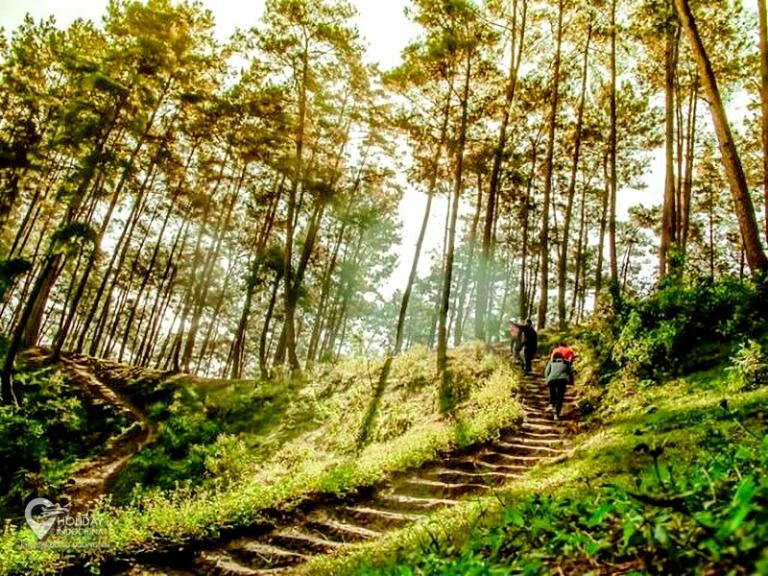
94, 478
290, 539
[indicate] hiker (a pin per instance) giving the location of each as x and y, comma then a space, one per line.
558, 375
530, 344
516, 341
565, 351
567, 354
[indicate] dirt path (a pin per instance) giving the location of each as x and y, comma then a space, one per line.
95, 477
328, 527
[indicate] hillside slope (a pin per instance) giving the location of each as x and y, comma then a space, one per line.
668, 475
236, 451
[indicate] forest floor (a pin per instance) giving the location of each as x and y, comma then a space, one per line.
430, 495
218, 459
328, 525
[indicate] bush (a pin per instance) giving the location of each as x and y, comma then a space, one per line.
681, 326
41, 439
750, 365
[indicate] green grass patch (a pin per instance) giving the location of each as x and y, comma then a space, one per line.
277, 443
673, 481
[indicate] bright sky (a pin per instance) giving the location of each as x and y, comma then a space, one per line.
381, 22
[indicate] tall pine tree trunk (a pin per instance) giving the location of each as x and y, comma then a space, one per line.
548, 173
687, 193
742, 201
613, 177
461, 297
604, 217
289, 298
442, 334
563, 261
763, 18
669, 212
515, 57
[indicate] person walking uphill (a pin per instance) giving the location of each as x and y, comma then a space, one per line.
530, 344
557, 375
516, 340
565, 351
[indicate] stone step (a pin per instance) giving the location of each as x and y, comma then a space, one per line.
541, 427
156, 570
493, 477
527, 448
218, 563
497, 457
537, 406
478, 463
416, 502
467, 463
531, 404
296, 540
544, 414
541, 391
381, 518
534, 394
526, 460
542, 435
506, 468
264, 555
541, 406
339, 531
548, 420
441, 489
517, 439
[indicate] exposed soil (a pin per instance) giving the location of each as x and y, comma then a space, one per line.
95, 477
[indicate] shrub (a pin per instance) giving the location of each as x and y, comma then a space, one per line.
669, 331
750, 365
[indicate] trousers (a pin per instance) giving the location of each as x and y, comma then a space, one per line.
557, 394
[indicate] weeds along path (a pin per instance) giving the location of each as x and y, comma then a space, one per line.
95, 477
289, 540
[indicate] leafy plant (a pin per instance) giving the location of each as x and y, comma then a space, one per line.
679, 327
750, 365
46, 434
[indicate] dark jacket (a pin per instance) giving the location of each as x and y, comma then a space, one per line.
530, 339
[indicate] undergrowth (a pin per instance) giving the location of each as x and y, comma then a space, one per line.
669, 475
263, 445
44, 438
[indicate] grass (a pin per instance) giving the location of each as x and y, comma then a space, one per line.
276, 445
45, 438
655, 485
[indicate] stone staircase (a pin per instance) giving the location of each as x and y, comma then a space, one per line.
329, 527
